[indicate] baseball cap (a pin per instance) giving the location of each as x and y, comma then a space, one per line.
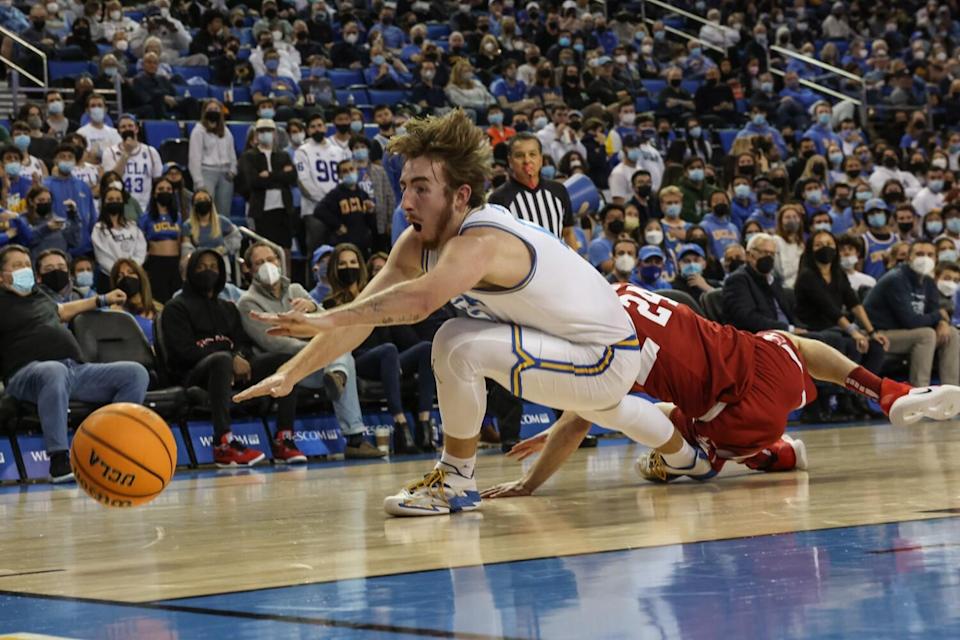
684, 249
263, 123
602, 60
651, 251
876, 203
320, 252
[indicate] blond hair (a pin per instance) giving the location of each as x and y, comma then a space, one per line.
461, 147
215, 231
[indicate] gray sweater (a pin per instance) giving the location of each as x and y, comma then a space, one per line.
259, 298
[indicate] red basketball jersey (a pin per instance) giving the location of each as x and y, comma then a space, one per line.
687, 360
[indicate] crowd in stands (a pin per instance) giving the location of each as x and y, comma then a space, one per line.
729, 171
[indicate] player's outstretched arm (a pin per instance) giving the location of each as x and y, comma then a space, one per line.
561, 440
326, 346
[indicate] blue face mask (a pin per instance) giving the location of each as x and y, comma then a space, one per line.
673, 211
547, 172
746, 238
822, 226
877, 220
659, 35
378, 60
824, 119
836, 158
356, 126
759, 119
769, 208
766, 87
691, 269
267, 113
695, 52
936, 186
934, 227
361, 155
495, 118
814, 197
947, 255
85, 279
633, 155
696, 175
742, 191
23, 280
578, 48
564, 42
695, 132
863, 196
271, 65
66, 167
22, 141
12, 169
349, 179
650, 273
953, 225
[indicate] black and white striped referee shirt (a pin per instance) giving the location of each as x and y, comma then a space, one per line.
547, 206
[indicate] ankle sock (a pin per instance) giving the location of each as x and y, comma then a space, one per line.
682, 459
863, 382
464, 466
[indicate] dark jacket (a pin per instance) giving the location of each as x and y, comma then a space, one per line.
345, 206
195, 326
254, 188
750, 304
902, 299
821, 305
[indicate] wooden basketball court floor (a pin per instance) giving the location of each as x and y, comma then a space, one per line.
866, 544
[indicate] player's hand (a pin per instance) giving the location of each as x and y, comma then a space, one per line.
116, 297
862, 342
293, 324
241, 369
943, 333
526, 448
277, 386
303, 305
513, 489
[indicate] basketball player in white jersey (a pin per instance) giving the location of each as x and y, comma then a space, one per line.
540, 321
137, 163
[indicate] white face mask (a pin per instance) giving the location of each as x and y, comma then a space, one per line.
268, 274
923, 265
849, 263
297, 138
116, 15
627, 119
947, 288
653, 236
625, 263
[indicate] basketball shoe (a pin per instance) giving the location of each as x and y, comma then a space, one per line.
233, 453
60, 470
441, 492
905, 404
285, 451
786, 454
651, 466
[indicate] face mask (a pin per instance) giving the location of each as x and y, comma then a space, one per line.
764, 265
361, 155
548, 172
268, 274
766, 87
625, 263
821, 226
734, 264
317, 136
721, 210
622, 59
633, 155
297, 138
44, 209
615, 227
66, 167
205, 280
863, 196
265, 138
203, 207
164, 199
55, 280
791, 226
947, 288
22, 141
769, 208
650, 272
673, 211
849, 263
23, 280
12, 169
823, 119
935, 185
85, 279
696, 175
905, 227
267, 114
653, 236
934, 227
130, 285
351, 38
922, 265
759, 119
814, 197
495, 118
349, 275
122, 45
55, 108
116, 15
890, 162
539, 122
824, 255
577, 47
644, 190
877, 220
691, 269
836, 158
564, 42
695, 132
97, 114
947, 255
272, 65
742, 191
953, 225
939, 163
113, 208
378, 60
349, 179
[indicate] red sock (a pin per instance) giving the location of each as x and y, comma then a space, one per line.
285, 434
864, 383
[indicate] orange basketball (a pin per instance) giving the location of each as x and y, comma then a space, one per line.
123, 455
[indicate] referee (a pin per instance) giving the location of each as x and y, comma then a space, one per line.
545, 203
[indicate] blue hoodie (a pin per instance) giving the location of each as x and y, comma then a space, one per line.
62, 189
721, 233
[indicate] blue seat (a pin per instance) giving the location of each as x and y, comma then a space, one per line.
654, 87
644, 104
193, 72
727, 136
690, 85
371, 130
213, 91
238, 210
157, 131
359, 96
192, 90
437, 30
392, 96
59, 69
246, 37
242, 94
239, 132
343, 78
189, 125
136, 16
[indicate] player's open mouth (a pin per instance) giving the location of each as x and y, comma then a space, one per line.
416, 226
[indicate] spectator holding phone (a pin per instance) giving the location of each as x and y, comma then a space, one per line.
72, 201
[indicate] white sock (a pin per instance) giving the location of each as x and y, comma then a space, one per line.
464, 466
682, 459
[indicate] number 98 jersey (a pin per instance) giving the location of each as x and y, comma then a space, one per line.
687, 360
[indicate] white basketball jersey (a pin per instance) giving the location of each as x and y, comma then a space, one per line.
562, 295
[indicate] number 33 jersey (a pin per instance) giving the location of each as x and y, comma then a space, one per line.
698, 365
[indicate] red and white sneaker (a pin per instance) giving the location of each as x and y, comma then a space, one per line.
905, 404
233, 453
286, 452
786, 454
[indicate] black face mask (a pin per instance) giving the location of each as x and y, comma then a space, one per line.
113, 208
892, 197
127, 135
165, 199
778, 181
342, 128
644, 190
521, 126
203, 207
765, 265
615, 227
55, 280
721, 210
205, 280
855, 173
700, 242
746, 170
212, 116
806, 155
905, 227
44, 209
825, 255
918, 167
39, 24
843, 203
270, 14
349, 275
129, 285
890, 162
734, 264
317, 136
675, 82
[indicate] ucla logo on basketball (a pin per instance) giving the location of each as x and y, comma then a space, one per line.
109, 473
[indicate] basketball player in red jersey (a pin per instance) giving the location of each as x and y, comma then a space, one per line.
728, 392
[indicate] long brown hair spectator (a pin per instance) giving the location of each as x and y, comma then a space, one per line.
148, 306
339, 292
218, 128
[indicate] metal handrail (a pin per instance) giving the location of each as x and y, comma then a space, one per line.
23, 43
